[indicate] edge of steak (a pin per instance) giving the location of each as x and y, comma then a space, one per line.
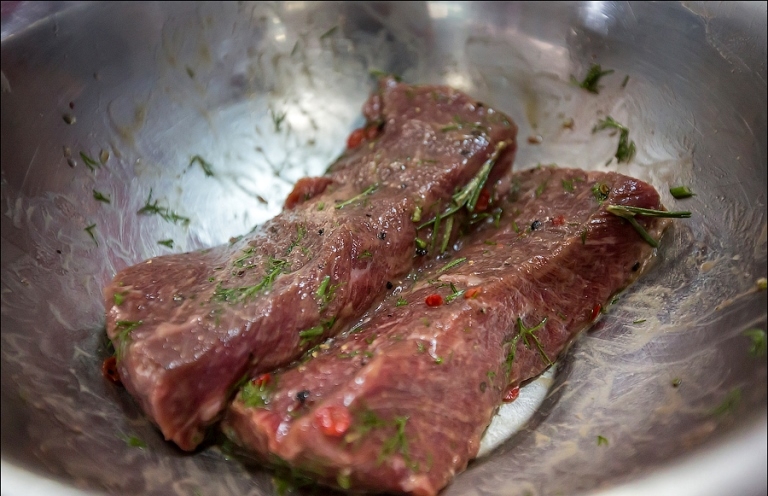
400, 402
188, 328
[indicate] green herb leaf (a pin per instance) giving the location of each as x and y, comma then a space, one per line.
600, 191
329, 32
452, 264
118, 298
728, 405
258, 394
101, 197
590, 82
124, 329
416, 217
166, 242
628, 213
365, 254
133, 441
91, 163
398, 443
89, 230
370, 189
401, 302
343, 481
301, 231
626, 148
467, 196
527, 335
568, 185
153, 208
277, 119
625, 81
758, 341
275, 267
601, 441
206, 166
681, 192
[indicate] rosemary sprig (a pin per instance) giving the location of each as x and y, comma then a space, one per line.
452, 264
370, 189
628, 213
455, 293
465, 197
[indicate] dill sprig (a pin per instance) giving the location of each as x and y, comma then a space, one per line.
204, 164
99, 196
89, 229
153, 208
591, 80
275, 267
88, 161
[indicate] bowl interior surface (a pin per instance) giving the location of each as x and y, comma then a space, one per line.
120, 98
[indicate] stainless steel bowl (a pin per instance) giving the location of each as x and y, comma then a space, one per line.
265, 93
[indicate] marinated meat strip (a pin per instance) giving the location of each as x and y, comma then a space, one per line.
188, 327
399, 402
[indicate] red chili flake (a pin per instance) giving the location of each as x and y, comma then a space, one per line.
333, 420
109, 370
482, 200
558, 221
472, 292
434, 300
511, 394
355, 138
372, 131
305, 189
262, 380
596, 311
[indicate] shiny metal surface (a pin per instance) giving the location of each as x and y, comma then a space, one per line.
266, 93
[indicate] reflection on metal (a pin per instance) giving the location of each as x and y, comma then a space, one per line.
267, 93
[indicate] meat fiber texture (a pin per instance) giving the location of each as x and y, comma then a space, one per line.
400, 402
187, 328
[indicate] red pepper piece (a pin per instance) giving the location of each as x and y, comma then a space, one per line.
558, 221
305, 189
596, 311
472, 292
333, 420
109, 370
355, 138
482, 200
511, 394
433, 300
262, 380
